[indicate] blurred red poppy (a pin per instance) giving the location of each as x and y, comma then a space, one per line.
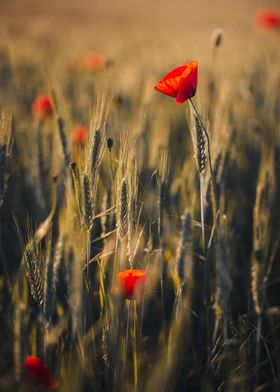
130, 283
180, 83
38, 374
42, 107
268, 19
80, 135
91, 62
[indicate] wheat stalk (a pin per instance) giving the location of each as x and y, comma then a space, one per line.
57, 261
74, 285
96, 146
213, 184
162, 184
262, 230
199, 147
184, 249
122, 211
122, 205
107, 218
48, 303
223, 277
64, 141
96, 153
132, 206
76, 183
87, 202
5, 142
162, 178
2, 172
19, 337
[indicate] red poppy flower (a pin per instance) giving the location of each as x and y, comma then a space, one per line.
268, 19
181, 83
42, 107
130, 283
38, 374
80, 135
91, 62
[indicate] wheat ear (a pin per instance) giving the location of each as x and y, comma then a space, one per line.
34, 275
63, 140
198, 140
213, 184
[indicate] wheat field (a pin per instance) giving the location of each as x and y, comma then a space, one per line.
139, 239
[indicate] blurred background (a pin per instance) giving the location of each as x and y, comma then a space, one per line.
160, 29
65, 49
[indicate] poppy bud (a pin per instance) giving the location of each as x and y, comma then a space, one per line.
110, 143
73, 165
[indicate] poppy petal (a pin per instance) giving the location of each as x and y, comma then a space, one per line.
188, 84
38, 374
166, 88
268, 19
180, 83
131, 283
170, 83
